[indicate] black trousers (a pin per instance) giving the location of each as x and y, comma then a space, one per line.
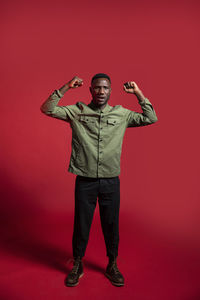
87, 190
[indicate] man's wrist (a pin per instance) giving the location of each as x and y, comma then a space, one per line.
64, 88
141, 98
67, 85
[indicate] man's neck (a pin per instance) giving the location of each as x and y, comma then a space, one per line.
100, 107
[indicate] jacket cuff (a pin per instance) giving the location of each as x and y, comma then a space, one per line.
145, 101
58, 93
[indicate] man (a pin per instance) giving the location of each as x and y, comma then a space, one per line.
97, 135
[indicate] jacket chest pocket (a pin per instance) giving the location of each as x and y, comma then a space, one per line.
87, 122
113, 122
86, 119
113, 125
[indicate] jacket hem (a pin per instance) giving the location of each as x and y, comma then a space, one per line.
92, 175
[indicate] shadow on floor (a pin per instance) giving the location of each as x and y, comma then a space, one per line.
21, 232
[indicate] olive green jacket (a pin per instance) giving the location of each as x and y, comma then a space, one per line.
97, 135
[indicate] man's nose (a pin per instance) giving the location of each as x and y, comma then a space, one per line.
101, 90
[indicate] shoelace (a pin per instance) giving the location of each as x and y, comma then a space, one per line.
76, 266
115, 268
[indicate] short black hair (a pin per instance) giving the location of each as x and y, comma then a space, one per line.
100, 75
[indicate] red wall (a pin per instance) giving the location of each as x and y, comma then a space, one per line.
155, 44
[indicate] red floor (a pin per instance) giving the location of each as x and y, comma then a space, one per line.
36, 253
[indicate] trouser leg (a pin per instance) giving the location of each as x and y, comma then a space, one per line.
86, 191
109, 204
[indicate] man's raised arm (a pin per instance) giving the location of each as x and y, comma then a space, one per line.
50, 107
140, 119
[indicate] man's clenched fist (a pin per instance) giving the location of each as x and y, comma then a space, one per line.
75, 82
131, 87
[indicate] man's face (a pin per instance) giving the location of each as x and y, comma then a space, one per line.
100, 90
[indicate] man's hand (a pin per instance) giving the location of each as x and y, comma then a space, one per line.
75, 82
131, 87
72, 84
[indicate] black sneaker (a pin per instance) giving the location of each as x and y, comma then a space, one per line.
113, 273
76, 272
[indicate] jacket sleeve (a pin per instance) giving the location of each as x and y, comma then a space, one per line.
50, 107
135, 119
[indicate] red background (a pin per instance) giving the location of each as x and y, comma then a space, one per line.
44, 45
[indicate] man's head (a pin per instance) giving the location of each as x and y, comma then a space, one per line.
100, 89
